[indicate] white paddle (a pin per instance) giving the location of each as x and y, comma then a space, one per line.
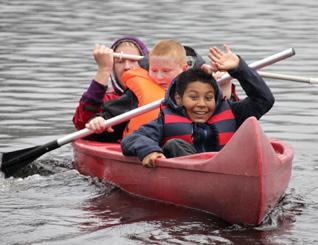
261, 73
288, 77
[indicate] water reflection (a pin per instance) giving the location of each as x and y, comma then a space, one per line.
167, 223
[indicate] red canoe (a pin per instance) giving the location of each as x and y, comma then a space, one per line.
240, 184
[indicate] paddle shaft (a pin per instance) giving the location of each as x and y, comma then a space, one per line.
257, 65
288, 77
264, 62
127, 56
111, 122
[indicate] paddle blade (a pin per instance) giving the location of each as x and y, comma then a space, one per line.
11, 162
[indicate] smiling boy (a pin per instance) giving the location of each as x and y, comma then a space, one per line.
195, 117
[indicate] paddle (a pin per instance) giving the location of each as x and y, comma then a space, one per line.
288, 77
261, 73
11, 162
127, 56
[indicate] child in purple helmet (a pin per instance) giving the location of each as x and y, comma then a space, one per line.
98, 91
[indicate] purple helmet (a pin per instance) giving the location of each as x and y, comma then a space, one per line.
118, 86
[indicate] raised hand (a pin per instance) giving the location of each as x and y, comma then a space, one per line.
104, 59
223, 61
103, 56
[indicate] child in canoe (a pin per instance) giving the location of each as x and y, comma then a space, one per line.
109, 69
167, 59
195, 117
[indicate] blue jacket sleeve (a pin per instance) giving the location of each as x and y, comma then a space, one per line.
145, 140
259, 98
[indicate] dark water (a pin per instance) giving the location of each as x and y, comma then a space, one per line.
46, 63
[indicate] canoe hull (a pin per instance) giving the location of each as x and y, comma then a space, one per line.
238, 184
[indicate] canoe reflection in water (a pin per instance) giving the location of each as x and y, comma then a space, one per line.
148, 221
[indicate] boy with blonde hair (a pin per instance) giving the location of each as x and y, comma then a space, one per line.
167, 59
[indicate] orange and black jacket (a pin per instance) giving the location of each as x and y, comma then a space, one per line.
211, 136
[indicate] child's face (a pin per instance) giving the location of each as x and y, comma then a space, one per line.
122, 65
163, 69
198, 100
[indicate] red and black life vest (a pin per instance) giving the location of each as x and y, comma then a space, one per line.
178, 126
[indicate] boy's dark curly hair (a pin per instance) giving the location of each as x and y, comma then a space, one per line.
194, 75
